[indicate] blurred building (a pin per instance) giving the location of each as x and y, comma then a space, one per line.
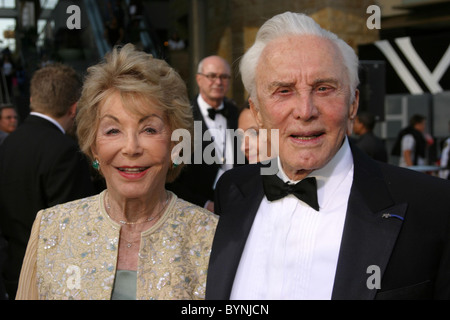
228, 28
409, 69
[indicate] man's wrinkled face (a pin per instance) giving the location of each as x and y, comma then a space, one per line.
302, 89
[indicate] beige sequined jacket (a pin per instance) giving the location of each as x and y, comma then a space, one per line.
72, 253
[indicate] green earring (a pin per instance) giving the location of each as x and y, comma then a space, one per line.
174, 164
95, 164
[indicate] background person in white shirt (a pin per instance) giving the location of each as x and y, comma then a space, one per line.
197, 181
413, 143
357, 226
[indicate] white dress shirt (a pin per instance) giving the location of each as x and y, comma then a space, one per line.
222, 141
292, 250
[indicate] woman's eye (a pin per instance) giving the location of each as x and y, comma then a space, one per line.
112, 131
150, 130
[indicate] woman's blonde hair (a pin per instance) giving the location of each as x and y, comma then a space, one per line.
137, 77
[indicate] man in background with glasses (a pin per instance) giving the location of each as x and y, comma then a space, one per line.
216, 114
8, 120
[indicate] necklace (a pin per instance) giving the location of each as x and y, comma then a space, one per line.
146, 220
124, 222
129, 242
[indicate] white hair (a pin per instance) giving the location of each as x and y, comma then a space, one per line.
297, 24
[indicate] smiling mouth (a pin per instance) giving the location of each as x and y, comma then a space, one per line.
132, 169
307, 137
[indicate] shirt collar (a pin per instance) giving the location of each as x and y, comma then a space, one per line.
56, 123
330, 176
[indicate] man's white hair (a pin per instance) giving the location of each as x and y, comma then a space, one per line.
290, 23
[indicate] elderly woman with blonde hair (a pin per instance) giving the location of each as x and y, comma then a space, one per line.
134, 240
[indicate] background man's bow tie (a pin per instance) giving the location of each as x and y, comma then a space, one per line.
305, 190
212, 112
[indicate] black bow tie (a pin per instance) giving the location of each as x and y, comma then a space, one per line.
305, 190
212, 112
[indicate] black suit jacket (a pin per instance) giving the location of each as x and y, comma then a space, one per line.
397, 219
3, 258
373, 146
39, 167
195, 183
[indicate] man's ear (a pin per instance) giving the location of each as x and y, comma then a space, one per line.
354, 106
198, 79
72, 112
353, 110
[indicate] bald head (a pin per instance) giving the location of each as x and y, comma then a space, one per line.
213, 79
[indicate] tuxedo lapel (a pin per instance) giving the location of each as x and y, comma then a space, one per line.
231, 234
367, 241
203, 141
372, 224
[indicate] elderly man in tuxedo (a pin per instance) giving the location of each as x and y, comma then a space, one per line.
331, 223
213, 114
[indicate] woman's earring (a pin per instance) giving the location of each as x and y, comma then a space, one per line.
174, 164
95, 164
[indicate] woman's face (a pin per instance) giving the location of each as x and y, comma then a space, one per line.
133, 150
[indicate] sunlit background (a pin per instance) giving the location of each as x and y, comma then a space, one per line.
8, 25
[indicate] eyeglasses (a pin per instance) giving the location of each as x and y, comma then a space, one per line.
213, 76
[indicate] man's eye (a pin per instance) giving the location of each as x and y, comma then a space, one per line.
283, 91
324, 89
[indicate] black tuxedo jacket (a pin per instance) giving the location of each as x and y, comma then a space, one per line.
373, 146
195, 183
39, 167
397, 219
